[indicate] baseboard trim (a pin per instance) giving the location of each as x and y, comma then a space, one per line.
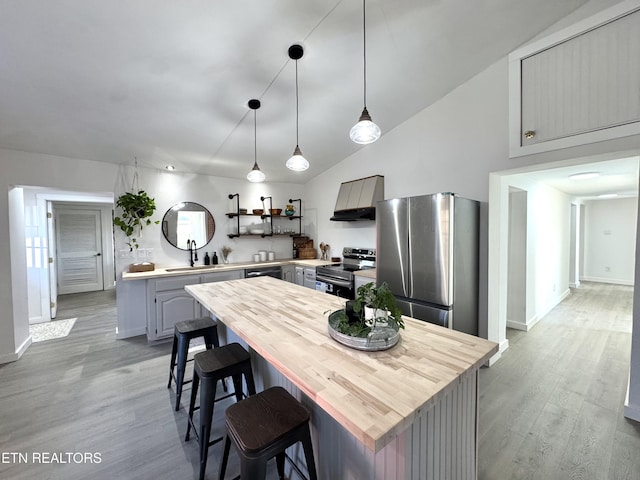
525, 327
40, 319
13, 357
134, 332
504, 344
608, 280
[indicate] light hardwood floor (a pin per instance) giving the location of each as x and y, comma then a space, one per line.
91, 393
551, 408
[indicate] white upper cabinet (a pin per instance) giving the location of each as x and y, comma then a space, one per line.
579, 85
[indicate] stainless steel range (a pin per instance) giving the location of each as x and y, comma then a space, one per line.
338, 279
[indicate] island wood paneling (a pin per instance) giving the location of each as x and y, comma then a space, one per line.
376, 415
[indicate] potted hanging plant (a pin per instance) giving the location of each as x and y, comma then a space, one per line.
136, 210
370, 322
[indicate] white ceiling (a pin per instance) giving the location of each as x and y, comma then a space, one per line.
168, 82
618, 177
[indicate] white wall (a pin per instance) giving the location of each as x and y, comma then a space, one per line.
517, 262
548, 245
609, 240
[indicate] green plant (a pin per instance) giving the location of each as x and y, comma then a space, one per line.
136, 210
379, 298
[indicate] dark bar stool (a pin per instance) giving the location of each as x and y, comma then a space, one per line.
211, 366
183, 333
263, 426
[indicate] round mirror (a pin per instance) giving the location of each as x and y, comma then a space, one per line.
188, 221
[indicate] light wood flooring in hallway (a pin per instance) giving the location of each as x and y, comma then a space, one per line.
552, 407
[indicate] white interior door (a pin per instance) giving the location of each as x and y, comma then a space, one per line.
79, 249
53, 274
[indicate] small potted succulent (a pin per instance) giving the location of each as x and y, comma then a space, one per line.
136, 210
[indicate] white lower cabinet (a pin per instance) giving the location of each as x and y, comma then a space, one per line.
288, 273
310, 277
169, 303
299, 280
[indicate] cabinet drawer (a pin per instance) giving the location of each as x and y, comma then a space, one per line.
176, 283
222, 276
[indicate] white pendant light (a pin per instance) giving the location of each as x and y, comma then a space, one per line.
255, 175
365, 131
297, 162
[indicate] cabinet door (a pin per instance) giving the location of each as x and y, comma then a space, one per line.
299, 280
577, 86
310, 278
171, 307
288, 273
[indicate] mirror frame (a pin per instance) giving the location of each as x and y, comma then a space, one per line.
211, 224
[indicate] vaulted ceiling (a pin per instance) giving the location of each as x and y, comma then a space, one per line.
168, 82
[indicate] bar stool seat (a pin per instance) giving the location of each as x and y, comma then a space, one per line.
210, 367
263, 426
183, 333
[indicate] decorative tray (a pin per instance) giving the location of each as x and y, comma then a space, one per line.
380, 337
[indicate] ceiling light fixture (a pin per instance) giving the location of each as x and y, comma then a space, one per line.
365, 131
171, 168
297, 162
584, 176
255, 175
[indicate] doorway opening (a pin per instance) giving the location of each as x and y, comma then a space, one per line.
565, 230
44, 256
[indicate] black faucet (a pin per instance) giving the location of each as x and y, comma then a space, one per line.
193, 254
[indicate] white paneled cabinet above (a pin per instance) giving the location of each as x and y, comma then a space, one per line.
579, 85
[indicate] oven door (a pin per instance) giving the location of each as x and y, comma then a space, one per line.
333, 286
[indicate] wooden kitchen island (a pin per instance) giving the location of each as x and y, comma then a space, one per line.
409, 412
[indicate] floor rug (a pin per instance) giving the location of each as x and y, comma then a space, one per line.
50, 330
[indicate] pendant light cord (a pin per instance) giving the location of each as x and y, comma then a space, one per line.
255, 138
297, 141
364, 43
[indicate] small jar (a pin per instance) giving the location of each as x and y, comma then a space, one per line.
289, 210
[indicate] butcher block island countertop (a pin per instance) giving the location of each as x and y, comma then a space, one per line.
374, 395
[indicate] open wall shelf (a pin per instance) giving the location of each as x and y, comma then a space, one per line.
264, 216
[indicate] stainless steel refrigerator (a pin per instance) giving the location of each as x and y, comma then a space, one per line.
427, 251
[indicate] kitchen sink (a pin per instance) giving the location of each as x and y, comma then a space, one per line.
195, 267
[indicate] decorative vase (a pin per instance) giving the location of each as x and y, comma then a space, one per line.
375, 316
289, 210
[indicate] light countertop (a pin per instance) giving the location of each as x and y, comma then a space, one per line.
374, 395
368, 273
199, 269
